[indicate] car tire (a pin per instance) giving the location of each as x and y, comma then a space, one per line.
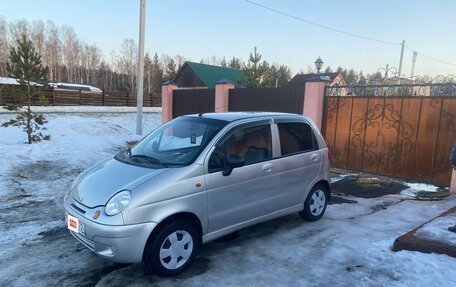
171, 249
315, 203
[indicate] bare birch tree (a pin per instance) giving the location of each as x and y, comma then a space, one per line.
127, 63
4, 46
52, 54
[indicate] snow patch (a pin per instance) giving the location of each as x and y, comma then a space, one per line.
85, 109
414, 188
341, 176
437, 230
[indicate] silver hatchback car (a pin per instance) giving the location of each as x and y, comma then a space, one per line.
195, 179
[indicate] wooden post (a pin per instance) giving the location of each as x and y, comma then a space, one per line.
103, 94
128, 99
80, 98
53, 96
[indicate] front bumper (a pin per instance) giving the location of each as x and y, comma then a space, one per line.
117, 243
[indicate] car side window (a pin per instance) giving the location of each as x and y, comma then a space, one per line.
253, 144
296, 138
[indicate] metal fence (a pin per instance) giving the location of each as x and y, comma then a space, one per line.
193, 101
288, 100
405, 131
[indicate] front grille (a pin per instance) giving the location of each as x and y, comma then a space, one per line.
87, 242
78, 209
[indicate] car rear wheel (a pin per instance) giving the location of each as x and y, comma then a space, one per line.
171, 249
315, 204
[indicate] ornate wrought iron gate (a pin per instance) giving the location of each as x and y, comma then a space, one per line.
403, 130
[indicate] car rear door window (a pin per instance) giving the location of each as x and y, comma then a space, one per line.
296, 138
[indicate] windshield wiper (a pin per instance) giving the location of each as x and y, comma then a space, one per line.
148, 158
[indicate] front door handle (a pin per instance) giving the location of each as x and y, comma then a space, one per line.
314, 157
267, 168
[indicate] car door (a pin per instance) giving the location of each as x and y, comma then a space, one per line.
249, 191
300, 158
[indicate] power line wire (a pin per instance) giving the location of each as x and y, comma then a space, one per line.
430, 57
345, 32
322, 26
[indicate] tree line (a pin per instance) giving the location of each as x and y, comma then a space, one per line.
71, 59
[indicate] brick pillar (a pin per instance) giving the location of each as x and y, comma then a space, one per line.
453, 182
313, 101
167, 101
222, 92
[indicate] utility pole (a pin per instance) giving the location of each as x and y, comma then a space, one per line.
415, 54
140, 74
400, 63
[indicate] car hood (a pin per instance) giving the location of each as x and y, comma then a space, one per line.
96, 185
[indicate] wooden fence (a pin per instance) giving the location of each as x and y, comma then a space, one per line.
58, 97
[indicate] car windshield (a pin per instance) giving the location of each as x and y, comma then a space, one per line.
177, 142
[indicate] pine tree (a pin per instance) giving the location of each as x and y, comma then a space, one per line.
351, 77
361, 79
224, 63
157, 78
147, 73
171, 70
26, 66
254, 71
235, 63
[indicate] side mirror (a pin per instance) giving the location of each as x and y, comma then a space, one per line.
155, 146
234, 161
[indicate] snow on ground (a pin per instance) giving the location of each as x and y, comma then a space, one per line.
86, 109
349, 246
33, 181
437, 230
341, 176
414, 188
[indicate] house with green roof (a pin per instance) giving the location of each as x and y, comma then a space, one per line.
201, 75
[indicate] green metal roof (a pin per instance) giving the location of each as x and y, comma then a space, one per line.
211, 74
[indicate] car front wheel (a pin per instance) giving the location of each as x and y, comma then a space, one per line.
171, 249
315, 204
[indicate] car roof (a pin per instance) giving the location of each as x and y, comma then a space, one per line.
235, 116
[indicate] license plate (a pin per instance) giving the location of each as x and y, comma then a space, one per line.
73, 223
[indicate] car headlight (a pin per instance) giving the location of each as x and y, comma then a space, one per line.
118, 202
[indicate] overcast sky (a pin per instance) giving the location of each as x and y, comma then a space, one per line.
201, 28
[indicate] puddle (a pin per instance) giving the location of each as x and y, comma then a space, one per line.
44, 170
30, 210
367, 188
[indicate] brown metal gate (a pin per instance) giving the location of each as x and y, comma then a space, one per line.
391, 130
193, 101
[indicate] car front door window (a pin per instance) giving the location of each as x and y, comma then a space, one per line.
252, 144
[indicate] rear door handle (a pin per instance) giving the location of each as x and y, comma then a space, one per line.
314, 157
267, 168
